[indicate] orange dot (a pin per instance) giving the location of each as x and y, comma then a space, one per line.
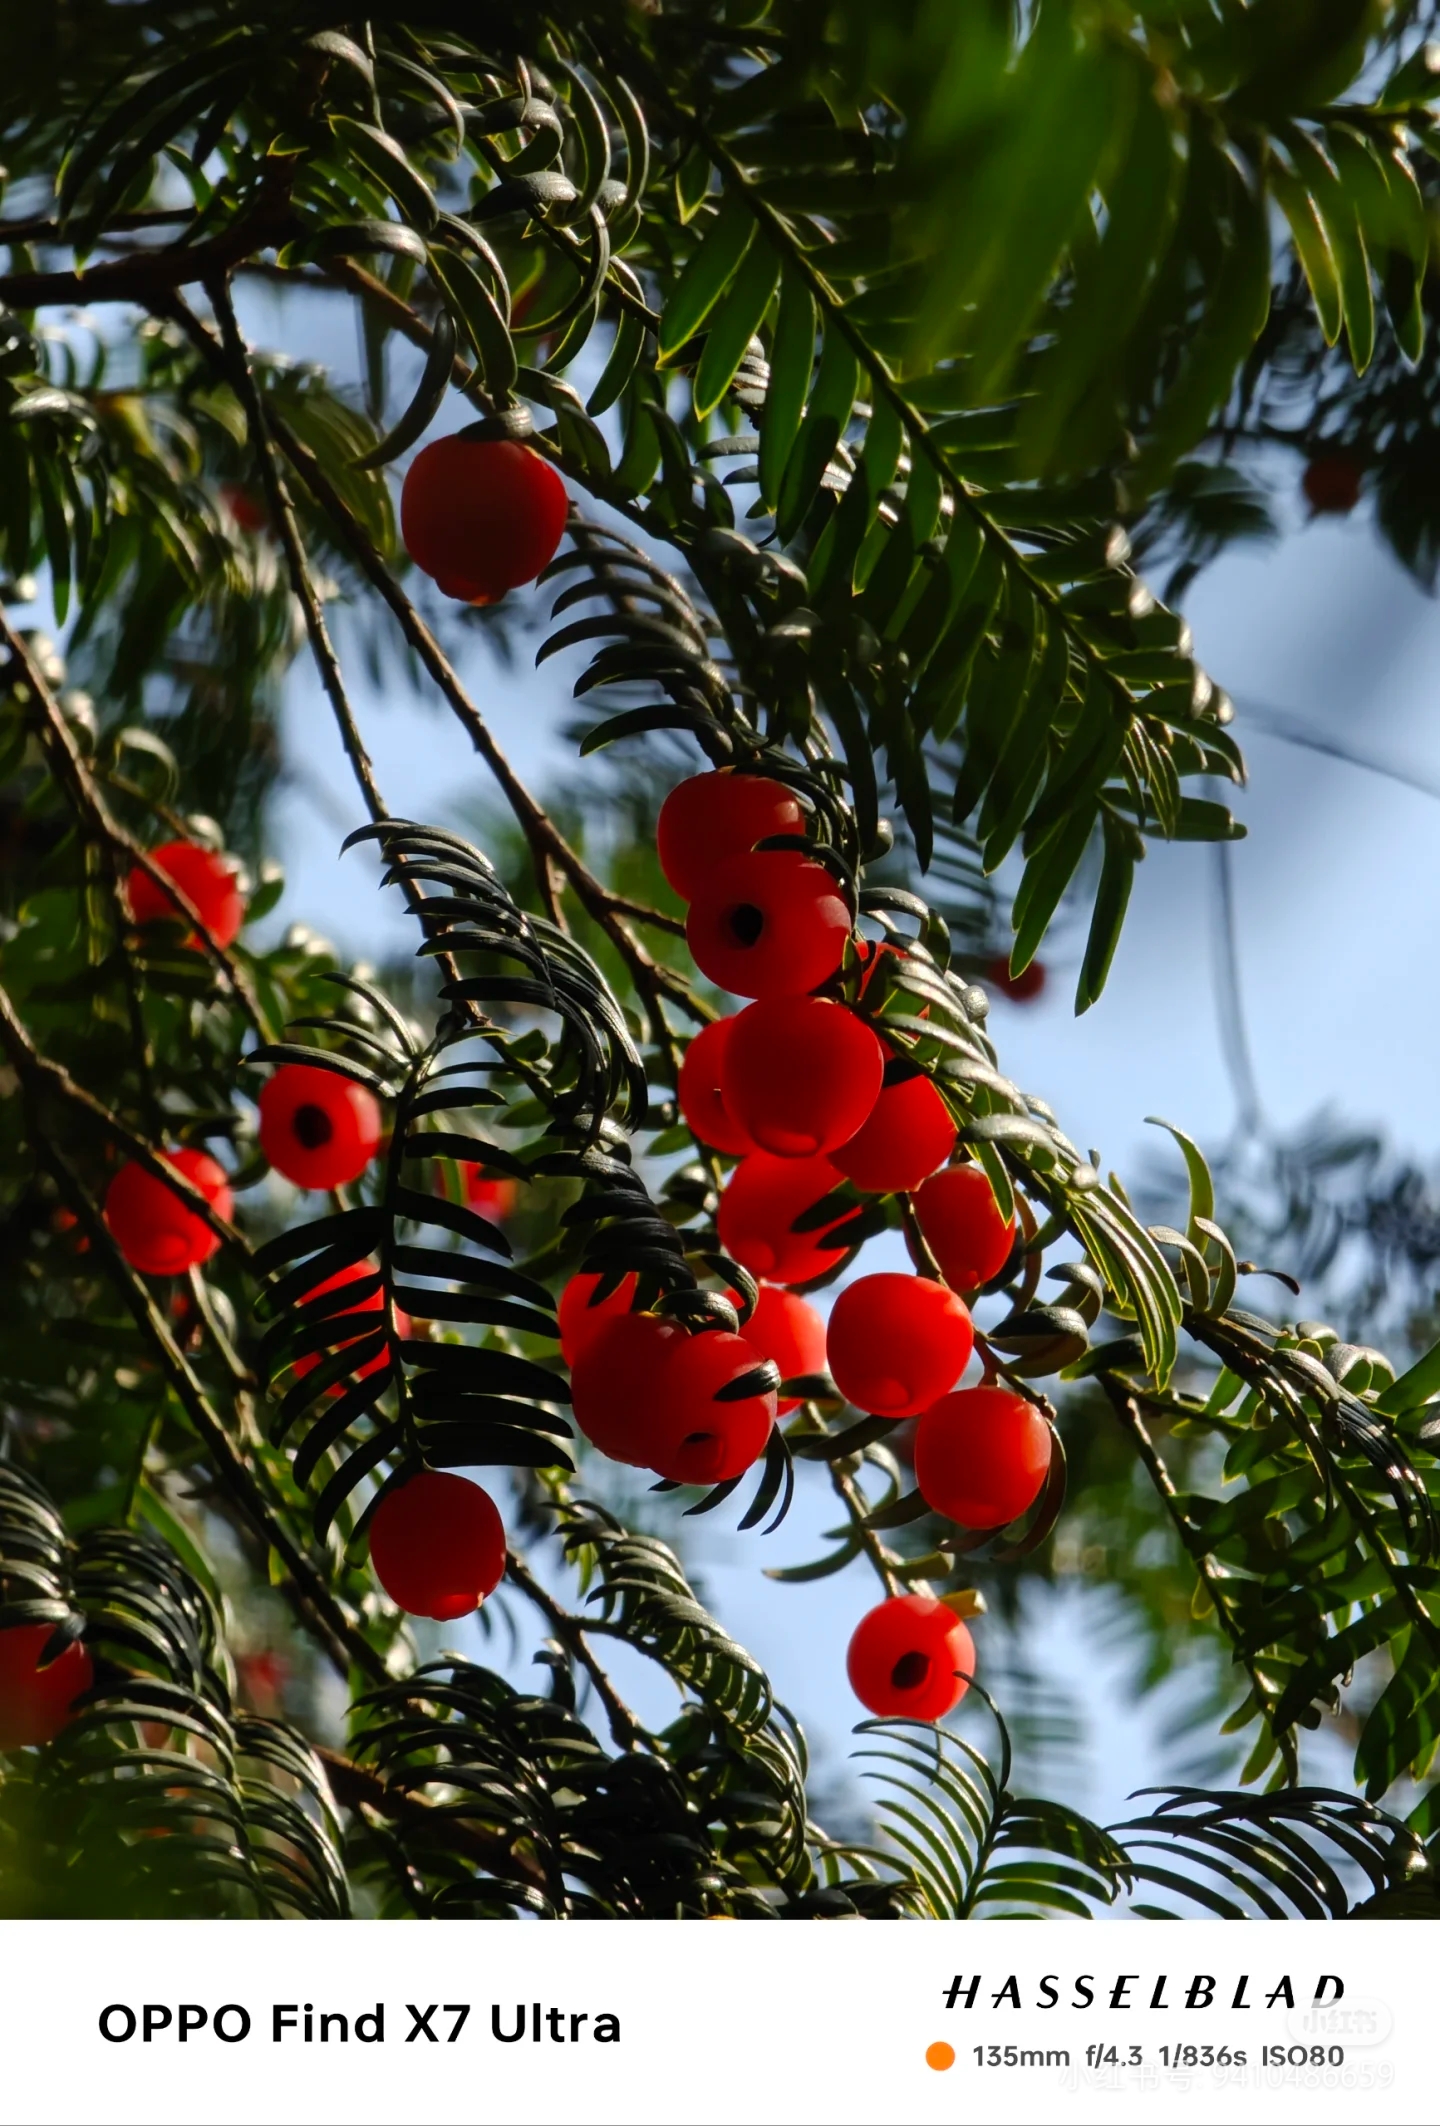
940, 2056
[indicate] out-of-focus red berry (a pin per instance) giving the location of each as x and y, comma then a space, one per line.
758, 1209
785, 1327
908, 1659
318, 1129
896, 1343
702, 1102
438, 1545
910, 1132
961, 1221
1016, 988
205, 877
35, 1702
695, 1432
770, 924
710, 818
154, 1230
1332, 481
982, 1456
800, 1075
582, 1316
247, 510
481, 517
494, 1196
349, 1324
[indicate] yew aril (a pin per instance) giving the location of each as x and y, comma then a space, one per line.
713, 1410
895, 1343
982, 1456
758, 1209
437, 1544
961, 1221
710, 818
481, 517
700, 1092
785, 1327
208, 880
583, 1313
36, 1703
153, 1228
348, 1323
317, 1128
910, 1659
800, 1075
907, 1135
616, 1384
770, 924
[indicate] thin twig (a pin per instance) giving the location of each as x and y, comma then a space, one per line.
570, 1630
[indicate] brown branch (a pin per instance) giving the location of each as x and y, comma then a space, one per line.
570, 1630
146, 277
356, 1787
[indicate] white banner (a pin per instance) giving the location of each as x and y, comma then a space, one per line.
714, 2021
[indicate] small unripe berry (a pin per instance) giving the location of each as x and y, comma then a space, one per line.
910, 1131
982, 1456
702, 1101
348, 1323
481, 517
710, 818
207, 881
896, 1342
36, 1702
800, 1075
785, 1327
582, 1316
910, 1659
318, 1129
758, 1209
153, 1229
616, 1384
438, 1545
696, 1432
771, 924
961, 1221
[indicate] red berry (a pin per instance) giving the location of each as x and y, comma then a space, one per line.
438, 1545
1332, 483
909, 1658
616, 1384
349, 1325
982, 1456
207, 880
701, 1101
910, 1132
895, 1343
36, 1702
249, 513
786, 1328
493, 1196
961, 1220
693, 1433
758, 1209
1018, 988
713, 817
800, 1075
153, 1229
316, 1128
481, 518
771, 924
582, 1316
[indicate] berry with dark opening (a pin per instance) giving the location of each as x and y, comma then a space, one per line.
770, 924
961, 1221
702, 1101
909, 1659
895, 1343
908, 1134
481, 517
205, 877
617, 1384
785, 1327
710, 818
1016, 988
800, 1075
318, 1129
35, 1702
583, 1316
438, 1545
1332, 483
982, 1456
712, 1416
758, 1209
154, 1230
348, 1322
